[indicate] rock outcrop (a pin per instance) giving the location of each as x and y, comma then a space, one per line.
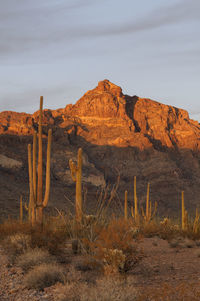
119, 134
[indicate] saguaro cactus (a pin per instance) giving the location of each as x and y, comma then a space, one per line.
149, 215
196, 222
147, 201
76, 173
36, 201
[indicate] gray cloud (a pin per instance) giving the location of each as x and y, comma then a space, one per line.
26, 27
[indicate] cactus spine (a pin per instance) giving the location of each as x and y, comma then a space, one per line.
76, 174
126, 205
36, 202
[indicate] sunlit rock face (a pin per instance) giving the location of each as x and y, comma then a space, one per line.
119, 134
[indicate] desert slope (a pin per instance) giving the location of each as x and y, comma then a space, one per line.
119, 134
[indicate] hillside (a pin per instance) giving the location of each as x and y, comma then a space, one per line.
119, 134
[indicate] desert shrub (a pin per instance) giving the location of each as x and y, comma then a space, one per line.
34, 257
114, 249
165, 229
49, 238
43, 276
11, 227
105, 289
15, 245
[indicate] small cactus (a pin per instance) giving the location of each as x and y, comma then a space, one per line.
76, 174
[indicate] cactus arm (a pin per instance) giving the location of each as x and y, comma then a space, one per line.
147, 201
48, 166
34, 165
76, 174
39, 188
31, 199
155, 210
79, 186
132, 211
196, 222
143, 215
80, 160
150, 210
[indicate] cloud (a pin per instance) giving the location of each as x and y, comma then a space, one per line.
26, 27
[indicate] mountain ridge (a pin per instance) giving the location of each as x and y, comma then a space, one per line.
118, 133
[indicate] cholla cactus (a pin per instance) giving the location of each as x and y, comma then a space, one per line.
113, 260
165, 222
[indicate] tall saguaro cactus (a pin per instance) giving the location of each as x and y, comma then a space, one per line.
36, 202
76, 173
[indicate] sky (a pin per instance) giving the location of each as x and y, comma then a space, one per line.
62, 48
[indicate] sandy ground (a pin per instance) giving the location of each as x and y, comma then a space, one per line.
172, 263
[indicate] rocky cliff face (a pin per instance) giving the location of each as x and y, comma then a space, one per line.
119, 134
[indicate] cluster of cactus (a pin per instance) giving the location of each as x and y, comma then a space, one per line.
76, 174
148, 215
36, 201
184, 220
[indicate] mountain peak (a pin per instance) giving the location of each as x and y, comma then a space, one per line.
106, 86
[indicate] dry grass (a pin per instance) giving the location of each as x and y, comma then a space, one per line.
34, 257
11, 227
16, 244
105, 289
43, 276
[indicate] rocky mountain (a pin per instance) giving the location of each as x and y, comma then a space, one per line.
120, 135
